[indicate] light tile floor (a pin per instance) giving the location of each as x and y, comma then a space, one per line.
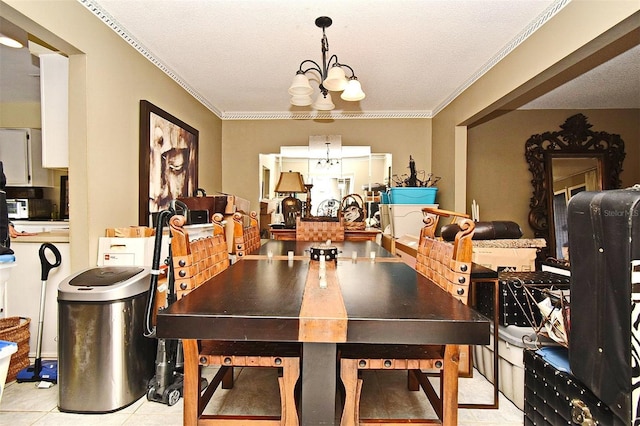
256, 392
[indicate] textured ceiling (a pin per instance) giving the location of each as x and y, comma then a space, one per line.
411, 56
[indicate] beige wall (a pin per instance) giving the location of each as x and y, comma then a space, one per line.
498, 174
108, 78
20, 115
244, 140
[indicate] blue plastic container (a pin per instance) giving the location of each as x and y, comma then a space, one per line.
384, 198
413, 195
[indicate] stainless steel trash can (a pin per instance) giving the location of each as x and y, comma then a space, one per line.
104, 360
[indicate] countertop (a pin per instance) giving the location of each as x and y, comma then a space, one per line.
43, 237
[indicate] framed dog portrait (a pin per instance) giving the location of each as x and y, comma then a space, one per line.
168, 161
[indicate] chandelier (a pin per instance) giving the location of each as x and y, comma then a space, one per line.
332, 78
328, 162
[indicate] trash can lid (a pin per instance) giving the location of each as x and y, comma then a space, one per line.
106, 276
105, 283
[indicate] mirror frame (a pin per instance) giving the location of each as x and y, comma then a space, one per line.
574, 140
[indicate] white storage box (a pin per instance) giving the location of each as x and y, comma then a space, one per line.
406, 219
115, 251
511, 360
6, 350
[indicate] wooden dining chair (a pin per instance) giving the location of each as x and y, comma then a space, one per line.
246, 233
316, 230
438, 213
449, 266
194, 263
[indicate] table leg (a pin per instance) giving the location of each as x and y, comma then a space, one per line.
191, 385
318, 393
450, 388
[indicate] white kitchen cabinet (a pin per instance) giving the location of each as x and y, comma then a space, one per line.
54, 101
21, 156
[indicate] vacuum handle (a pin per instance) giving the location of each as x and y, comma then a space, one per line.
44, 262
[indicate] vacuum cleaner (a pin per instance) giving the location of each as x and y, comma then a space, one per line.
42, 371
167, 383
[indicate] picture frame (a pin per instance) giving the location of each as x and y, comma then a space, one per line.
168, 162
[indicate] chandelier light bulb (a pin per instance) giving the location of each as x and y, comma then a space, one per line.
301, 100
353, 92
324, 102
300, 86
336, 81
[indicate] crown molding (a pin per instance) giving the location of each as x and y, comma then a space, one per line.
548, 13
101, 14
110, 21
329, 115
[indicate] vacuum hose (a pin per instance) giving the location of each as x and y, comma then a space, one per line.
162, 218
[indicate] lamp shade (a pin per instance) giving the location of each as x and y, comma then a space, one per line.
324, 102
300, 86
336, 81
301, 100
353, 92
290, 182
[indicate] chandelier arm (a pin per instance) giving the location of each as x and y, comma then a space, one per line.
333, 58
353, 74
315, 67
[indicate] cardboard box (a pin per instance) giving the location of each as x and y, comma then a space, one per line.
241, 205
130, 232
509, 259
268, 206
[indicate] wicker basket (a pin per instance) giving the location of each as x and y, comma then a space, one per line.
16, 329
353, 225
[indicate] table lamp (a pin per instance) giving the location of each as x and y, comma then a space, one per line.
290, 183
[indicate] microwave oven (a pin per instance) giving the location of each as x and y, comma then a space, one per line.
29, 208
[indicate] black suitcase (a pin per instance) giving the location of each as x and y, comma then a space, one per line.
553, 396
517, 306
604, 253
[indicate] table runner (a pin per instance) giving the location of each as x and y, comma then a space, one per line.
323, 316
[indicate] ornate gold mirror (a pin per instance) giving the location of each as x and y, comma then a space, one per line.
564, 163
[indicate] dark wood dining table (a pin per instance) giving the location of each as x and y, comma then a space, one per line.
258, 299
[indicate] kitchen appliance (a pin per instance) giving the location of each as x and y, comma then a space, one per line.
29, 208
